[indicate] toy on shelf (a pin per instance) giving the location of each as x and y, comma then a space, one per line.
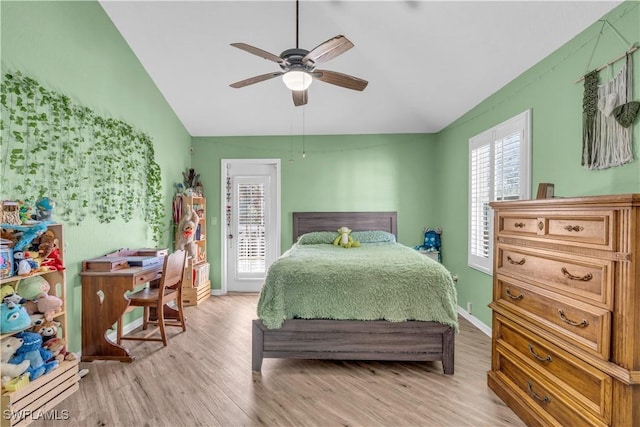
32, 351
432, 242
11, 370
44, 209
14, 318
186, 232
11, 212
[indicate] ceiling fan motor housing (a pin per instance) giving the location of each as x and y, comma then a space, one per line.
292, 60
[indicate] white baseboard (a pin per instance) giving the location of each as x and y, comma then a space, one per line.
217, 292
474, 321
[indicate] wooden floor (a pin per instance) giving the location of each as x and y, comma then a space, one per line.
204, 378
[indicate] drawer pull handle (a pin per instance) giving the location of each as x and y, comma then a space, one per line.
519, 225
540, 358
582, 324
536, 396
584, 278
575, 228
515, 297
522, 261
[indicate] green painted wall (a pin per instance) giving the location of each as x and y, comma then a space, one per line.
74, 49
549, 90
342, 173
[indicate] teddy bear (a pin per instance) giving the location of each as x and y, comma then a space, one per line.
13, 318
9, 346
58, 347
48, 329
48, 243
32, 351
186, 232
48, 305
345, 240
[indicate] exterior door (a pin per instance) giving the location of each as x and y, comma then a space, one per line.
252, 227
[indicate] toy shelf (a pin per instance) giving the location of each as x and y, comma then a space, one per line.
24, 405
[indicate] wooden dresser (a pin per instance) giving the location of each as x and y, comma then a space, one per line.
566, 310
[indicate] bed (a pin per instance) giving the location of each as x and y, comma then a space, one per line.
346, 339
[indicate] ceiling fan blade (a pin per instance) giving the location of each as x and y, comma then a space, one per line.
339, 79
256, 79
328, 50
300, 97
257, 51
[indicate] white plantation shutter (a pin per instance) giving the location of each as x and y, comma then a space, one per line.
480, 197
498, 170
251, 247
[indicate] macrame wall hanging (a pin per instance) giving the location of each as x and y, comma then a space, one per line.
608, 113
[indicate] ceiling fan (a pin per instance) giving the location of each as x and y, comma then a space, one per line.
299, 66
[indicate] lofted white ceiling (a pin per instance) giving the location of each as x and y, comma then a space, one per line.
427, 62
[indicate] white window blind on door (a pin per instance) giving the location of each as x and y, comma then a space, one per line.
251, 247
498, 170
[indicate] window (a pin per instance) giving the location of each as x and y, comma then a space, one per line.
499, 169
251, 248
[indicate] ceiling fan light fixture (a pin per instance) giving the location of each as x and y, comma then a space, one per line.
297, 80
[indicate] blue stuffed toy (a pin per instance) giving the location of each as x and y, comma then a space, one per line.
13, 318
32, 351
432, 241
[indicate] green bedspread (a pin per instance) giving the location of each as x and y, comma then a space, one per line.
378, 281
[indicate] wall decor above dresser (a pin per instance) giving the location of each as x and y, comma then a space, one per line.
566, 310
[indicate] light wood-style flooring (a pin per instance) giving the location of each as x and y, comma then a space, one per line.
203, 378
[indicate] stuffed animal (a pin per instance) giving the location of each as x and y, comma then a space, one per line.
13, 318
48, 305
58, 348
9, 346
432, 240
29, 233
53, 261
47, 244
32, 287
9, 295
32, 351
48, 329
27, 262
345, 240
186, 231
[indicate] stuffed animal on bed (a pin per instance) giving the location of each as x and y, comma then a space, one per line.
345, 240
186, 232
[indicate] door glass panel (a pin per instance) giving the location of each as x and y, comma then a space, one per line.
251, 245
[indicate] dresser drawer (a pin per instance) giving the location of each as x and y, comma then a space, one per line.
519, 224
587, 279
588, 385
581, 228
540, 393
584, 325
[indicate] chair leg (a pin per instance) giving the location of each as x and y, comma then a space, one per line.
160, 312
145, 318
181, 315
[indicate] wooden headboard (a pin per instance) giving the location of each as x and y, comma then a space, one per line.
305, 222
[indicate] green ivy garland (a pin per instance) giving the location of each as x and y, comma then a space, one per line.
90, 165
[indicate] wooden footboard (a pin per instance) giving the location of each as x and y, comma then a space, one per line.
355, 340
